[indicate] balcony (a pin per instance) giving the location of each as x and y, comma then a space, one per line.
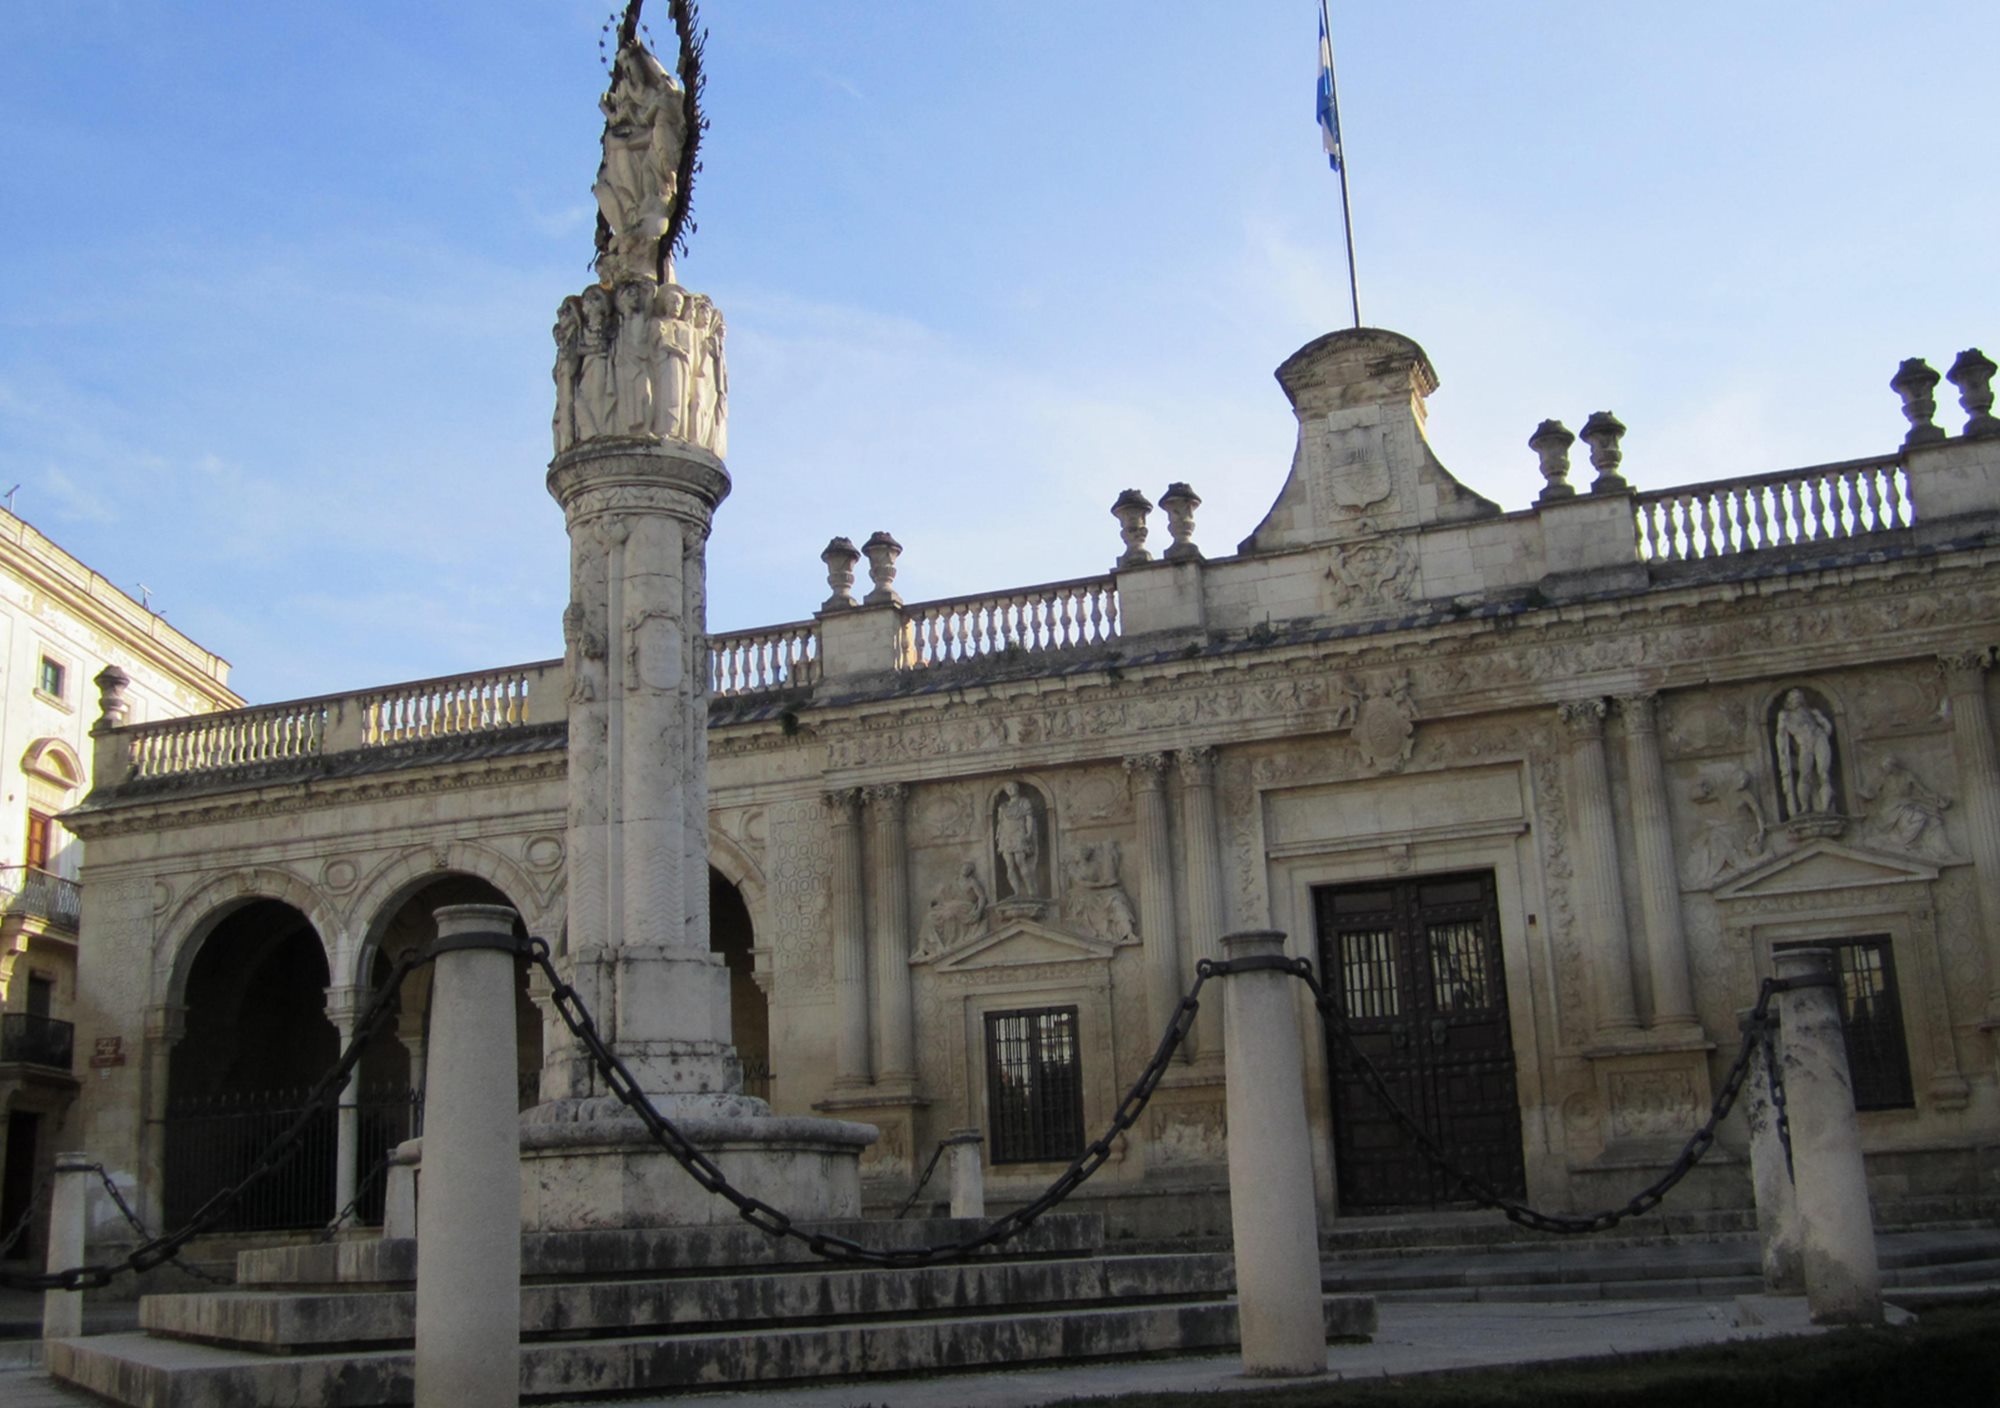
40, 895
36, 1041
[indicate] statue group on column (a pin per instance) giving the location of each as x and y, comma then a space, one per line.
640, 361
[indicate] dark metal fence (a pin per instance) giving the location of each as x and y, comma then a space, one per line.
212, 1143
37, 1041
26, 890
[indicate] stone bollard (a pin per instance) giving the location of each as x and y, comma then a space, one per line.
69, 1204
968, 1173
1837, 1235
469, 1222
1271, 1209
1771, 1181
399, 1193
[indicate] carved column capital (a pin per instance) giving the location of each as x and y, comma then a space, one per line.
1640, 712
843, 805
166, 1021
1965, 669
344, 1005
1197, 766
1583, 718
887, 797
1149, 770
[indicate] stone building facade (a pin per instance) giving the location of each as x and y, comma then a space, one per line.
1537, 792
61, 624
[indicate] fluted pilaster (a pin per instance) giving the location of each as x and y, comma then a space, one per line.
1659, 882
850, 940
1203, 869
1979, 771
1600, 911
895, 1058
1158, 929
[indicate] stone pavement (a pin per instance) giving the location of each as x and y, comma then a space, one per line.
1412, 1338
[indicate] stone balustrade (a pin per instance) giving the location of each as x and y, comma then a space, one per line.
1054, 616
211, 742
766, 658
1816, 505
450, 705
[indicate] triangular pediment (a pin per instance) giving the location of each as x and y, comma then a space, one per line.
1825, 865
1020, 942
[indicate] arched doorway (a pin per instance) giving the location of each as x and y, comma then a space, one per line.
730, 934
257, 1038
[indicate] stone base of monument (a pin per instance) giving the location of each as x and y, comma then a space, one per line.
654, 1311
590, 1165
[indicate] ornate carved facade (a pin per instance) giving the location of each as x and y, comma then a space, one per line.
1537, 792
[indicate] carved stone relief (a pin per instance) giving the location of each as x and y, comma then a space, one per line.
1701, 725
1652, 1104
956, 913
1730, 834
1364, 573
943, 814
801, 876
1385, 724
1094, 896
1905, 813
1901, 702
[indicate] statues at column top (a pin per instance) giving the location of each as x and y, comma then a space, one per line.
641, 360
645, 129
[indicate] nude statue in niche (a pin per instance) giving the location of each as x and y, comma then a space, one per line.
1803, 737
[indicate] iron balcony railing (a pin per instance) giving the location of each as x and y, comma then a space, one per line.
36, 1041
26, 890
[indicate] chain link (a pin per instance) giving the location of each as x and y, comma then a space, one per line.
157, 1251
1754, 1043
125, 1208
829, 1246
36, 1203
917, 1192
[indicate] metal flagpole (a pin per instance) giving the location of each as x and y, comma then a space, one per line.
1338, 155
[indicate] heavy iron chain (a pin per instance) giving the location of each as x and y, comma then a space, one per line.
1755, 1042
917, 1192
125, 1209
829, 1246
375, 1175
156, 1251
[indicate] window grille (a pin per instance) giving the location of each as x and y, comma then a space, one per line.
1034, 1085
1871, 1019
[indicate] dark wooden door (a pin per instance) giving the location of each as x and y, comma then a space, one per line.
1416, 966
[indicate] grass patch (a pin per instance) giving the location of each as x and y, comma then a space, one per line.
1951, 1357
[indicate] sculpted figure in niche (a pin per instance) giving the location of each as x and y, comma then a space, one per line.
956, 909
1908, 815
634, 352
1017, 838
595, 396
1097, 902
709, 385
644, 129
569, 362
1803, 737
675, 341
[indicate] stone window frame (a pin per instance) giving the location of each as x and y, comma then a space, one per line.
1091, 995
1021, 1146
50, 658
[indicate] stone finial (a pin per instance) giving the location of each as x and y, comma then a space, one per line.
1551, 442
1130, 510
112, 705
882, 551
1972, 374
1602, 432
840, 557
1916, 382
1180, 502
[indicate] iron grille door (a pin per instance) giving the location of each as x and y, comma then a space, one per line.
1416, 966
1034, 1085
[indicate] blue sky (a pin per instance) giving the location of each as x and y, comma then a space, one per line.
276, 280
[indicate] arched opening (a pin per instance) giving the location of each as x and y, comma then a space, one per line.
730, 934
257, 1038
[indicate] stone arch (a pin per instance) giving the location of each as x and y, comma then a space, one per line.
195, 918
53, 761
379, 897
734, 864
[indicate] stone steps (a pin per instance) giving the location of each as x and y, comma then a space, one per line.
657, 1310
170, 1373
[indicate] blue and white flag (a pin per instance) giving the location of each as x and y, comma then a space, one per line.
1328, 110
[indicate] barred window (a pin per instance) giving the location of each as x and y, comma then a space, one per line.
1034, 1085
1871, 1018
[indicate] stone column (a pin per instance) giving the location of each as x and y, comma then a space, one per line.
469, 1221
1271, 1210
894, 1018
638, 515
1979, 772
1204, 882
69, 1206
1157, 926
1837, 1236
166, 1024
1771, 1183
1659, 881
1600, 912
968, 1173
343, 1008
850, 941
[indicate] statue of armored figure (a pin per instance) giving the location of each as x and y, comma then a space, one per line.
640, 361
